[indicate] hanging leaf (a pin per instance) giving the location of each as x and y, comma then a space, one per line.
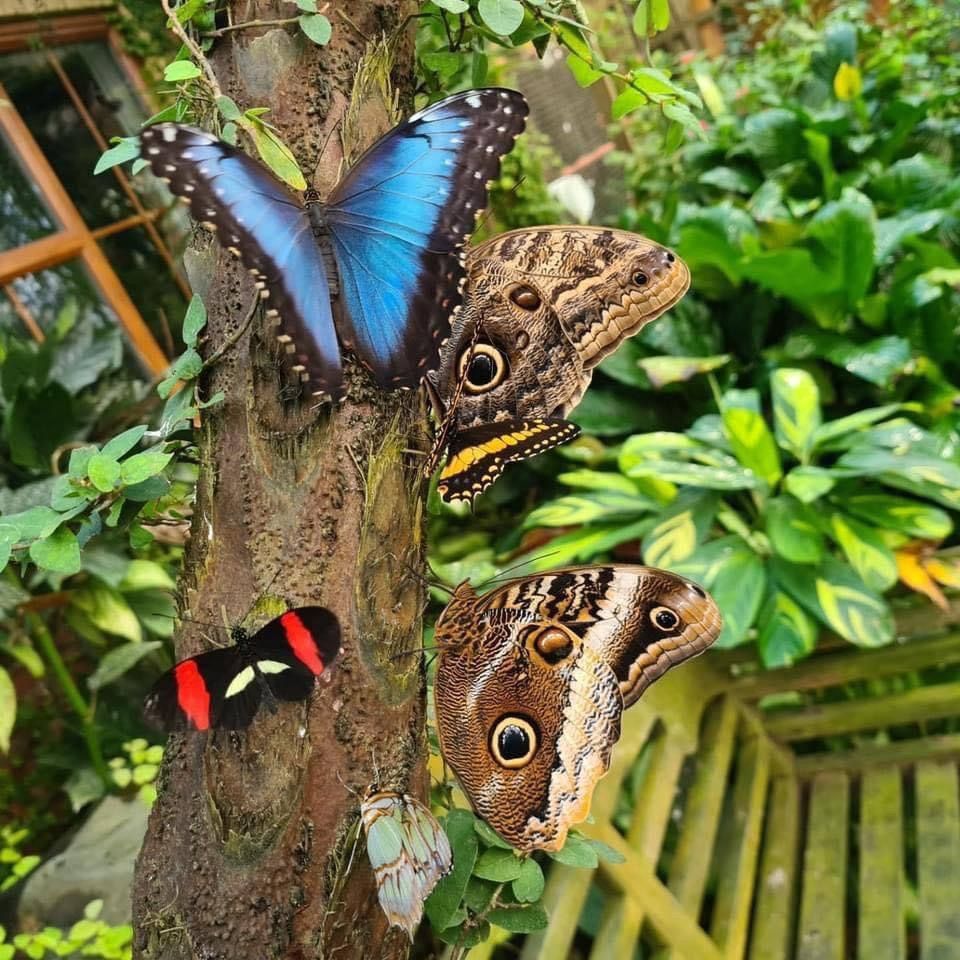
785, 632
796, 410
317, 27
501, 16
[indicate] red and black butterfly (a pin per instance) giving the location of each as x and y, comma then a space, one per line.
224, 688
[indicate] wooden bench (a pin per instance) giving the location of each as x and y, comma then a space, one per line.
809, 813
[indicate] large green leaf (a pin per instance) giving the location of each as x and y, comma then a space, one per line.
900, 514
834, 594
587, 543
826, 434
793, 531
796, 410
697, 475
441, 905
774, 137
865, 550
577, 509
809, 483
707, 559
738, 588
680, 528
662, 371
872, 461
785, 632
752, 442
845, 229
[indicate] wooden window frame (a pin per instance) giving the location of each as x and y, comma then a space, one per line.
74, 240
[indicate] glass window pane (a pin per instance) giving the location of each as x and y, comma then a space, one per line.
149, 284
23, 214
67, 144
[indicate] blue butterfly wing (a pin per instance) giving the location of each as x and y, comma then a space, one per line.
398, 223
255, 217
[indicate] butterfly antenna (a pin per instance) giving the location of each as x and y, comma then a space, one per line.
323, 148
440, 441
488, 213
516, 566
426, 581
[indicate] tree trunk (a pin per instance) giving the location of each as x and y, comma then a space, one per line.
251, 837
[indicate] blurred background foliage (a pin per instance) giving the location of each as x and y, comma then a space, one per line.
787, 435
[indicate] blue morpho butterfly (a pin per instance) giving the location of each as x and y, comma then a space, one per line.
409, 853
396, 226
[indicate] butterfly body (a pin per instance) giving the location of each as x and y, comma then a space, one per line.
409, 853
543, 306
394, 227
225, 688
533, 677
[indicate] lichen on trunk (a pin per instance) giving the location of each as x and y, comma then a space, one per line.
250, 838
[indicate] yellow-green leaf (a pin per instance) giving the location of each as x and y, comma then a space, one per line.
738, 589
752, 443
274, 152
865, 550
792, 531
665, 370
786, 633
847, 82
796, 410
8, 709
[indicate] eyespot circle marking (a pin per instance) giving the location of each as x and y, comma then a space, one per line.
553, 643
487, 368
663, 618
525, 297
513, 742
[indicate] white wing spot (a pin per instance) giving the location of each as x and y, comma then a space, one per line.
169, 134
240, 682
475, 102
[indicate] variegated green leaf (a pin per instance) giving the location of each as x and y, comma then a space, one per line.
913, 466
865, 550
809, 483
827, 433
583, 508
792, 530
665, 370
738, 589
705, 562
900, 514
786, 633
834, 594
680, 528
796, 410
697, 475
752, 443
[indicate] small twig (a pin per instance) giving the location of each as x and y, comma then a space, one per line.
250, 24
177, 28
353, 26
235, 336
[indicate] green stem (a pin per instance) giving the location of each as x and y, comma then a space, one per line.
70, 690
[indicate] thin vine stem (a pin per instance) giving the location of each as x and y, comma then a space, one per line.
195, 52
70, 690
250, 24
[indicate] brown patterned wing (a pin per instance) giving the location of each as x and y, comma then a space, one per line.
640, 620
528, 716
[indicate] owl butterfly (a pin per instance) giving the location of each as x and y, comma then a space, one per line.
224, 688
409, 853
532, 679
542, 308
388, 240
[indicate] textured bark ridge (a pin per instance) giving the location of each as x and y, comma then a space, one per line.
249, 842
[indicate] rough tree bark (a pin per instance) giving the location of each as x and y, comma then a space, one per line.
251, 835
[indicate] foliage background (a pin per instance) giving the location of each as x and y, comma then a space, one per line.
787, 435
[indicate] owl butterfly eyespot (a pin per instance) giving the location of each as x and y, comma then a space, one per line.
554, 301
484, 367
533, 678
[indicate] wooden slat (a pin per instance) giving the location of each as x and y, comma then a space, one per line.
775, 905
827, 670
737, 868
52, 31
900, 752
691, 860
40, 254
563, 898
821, 931
938, 860
673, 925
880, 902
922, 703
652, 807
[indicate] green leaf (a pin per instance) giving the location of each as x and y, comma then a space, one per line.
442, 904
108, 609
501, 16
274, 152
853, 423
899, 514
141, 466
576, 852
578, 509
104, 472
793, 531
8, 709
752, 442
738, 590
681, 527
598, 480
796, 410
490, 836
660, 14
834, 594
180, 70
308, 6
666, 370
785, 633
626, 102
317, 27
124, 149
582, 71
32, 523
528, 887
195, 318
809, 483
695, 475
871, 461
121, 444
453, 6
845, 228
867, 553
642, 24
115, 663
605, 852
498, 865
59, 553
186, 367
519, 919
